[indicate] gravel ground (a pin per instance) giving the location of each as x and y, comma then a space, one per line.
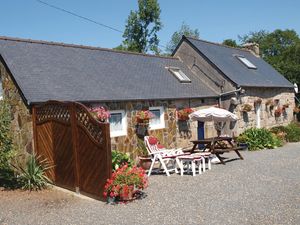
262, 189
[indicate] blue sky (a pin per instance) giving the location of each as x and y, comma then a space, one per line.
216, 20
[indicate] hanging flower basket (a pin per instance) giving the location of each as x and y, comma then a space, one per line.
246, 108
143, 116
257, 101
183, 114
278, 112
101, 113
269, 102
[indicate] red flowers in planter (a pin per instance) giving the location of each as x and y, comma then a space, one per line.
183, 114
101, 113
125, 182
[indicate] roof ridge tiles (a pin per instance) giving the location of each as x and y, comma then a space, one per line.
219, 44
81, 47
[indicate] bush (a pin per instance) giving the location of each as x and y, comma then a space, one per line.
33, 175
259, 138
280, 132
119, 159
292, 132
7, 150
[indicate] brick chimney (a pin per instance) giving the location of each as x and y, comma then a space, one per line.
253, 47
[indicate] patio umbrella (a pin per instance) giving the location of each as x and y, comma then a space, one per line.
213, 114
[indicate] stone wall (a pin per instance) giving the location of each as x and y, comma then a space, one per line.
171, 136
278, 96
21, 117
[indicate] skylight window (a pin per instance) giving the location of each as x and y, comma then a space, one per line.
179, 75
246, 62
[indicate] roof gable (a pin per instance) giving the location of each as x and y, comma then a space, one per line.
226, 60
57, 71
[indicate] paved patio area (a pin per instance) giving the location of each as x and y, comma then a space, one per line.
262, 189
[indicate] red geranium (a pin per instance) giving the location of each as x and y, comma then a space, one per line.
125, 180
183, 114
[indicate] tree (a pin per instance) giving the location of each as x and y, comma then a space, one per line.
142, 26
230, 43
280, 48
176, 37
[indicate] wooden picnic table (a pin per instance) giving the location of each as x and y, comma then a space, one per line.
218, 146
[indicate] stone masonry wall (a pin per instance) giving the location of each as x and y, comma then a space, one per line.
21, 117
170, 136
278, 96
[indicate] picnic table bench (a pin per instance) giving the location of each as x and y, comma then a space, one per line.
218, 146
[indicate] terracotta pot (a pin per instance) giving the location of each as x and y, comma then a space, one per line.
145, 162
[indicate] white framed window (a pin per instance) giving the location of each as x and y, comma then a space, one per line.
118, 123
158, 121
246, 62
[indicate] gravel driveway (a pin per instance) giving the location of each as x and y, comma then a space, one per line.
262, 189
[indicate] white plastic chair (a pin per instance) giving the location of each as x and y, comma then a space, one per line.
162, 155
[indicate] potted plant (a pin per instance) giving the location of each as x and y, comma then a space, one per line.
246, 108
143, 116
143, 155
101, 113
125, 183
183, 114
242, 141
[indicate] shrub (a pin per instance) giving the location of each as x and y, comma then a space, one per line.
259, 138
292, 132
7, 150
32, 176
119, 159
280, 132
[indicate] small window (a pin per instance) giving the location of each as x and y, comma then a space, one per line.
179, 75
118, 123
158, 121
246, 62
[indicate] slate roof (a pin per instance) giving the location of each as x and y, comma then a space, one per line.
223, 57
56, 71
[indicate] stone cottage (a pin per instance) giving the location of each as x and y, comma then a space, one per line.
199, 74
243, 80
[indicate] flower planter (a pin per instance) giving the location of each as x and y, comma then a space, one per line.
244, 146
145, 162
127, 194
142, 121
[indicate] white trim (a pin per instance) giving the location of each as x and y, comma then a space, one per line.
246, 62
122, 132
161, 125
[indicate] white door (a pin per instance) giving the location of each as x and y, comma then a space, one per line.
257, 111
